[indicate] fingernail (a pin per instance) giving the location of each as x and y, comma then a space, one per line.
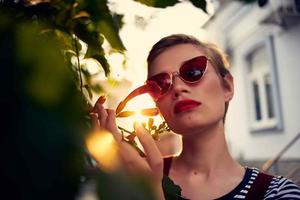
138, 127
101, 99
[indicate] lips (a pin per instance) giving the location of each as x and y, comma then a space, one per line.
185, 105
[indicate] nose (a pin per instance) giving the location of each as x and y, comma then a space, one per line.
178, 86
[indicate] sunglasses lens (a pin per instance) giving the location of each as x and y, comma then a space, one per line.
163, 81
194, 69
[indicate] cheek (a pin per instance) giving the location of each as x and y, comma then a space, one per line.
165, 108
214, 101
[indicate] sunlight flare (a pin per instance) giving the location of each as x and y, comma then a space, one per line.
103, 148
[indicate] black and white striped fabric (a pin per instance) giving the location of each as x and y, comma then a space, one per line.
282, 188
279, 188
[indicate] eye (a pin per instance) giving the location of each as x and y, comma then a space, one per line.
193, 69
191, 73
194, 72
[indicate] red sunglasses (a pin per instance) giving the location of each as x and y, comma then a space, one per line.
191, 71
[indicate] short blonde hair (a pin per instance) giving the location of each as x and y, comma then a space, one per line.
217, 57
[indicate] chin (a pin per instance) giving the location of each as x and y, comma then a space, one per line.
190, 124
185, 127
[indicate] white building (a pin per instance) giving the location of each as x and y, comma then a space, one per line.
263, 44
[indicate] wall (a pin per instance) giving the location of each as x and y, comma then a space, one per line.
237, 27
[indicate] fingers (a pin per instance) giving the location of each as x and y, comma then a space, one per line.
153, 154
95, 122
132, 161
95, 113
102, 115
99, 111
111, 124
106, 119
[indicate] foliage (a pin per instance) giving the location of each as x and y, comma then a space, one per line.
171, 190
44, 117
90, 21
43, 124
165, 3
67, 22
135, 187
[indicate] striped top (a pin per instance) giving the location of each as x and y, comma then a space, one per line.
280, 188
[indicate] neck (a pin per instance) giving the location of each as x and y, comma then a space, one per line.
206, 151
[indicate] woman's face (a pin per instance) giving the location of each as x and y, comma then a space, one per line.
191, 107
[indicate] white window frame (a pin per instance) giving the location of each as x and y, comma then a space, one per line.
266, 123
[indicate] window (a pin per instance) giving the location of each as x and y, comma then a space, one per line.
262, 87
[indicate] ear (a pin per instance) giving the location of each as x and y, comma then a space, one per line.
228, 87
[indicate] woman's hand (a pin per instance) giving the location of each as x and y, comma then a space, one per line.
131, 161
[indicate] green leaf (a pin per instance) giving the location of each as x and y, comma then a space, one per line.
158, 3
64, 40
107, 28
102, 60
171, 190
97, 88
68, 55
98, 55
88, 89
85, 72
200, 4
118, 20
117, 186
104, 21
77, 45
90, 37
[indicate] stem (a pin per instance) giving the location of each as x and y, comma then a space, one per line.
78, 63
123, 129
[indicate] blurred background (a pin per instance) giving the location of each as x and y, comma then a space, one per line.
261, 40
58, 57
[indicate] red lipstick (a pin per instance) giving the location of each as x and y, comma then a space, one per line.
184, 105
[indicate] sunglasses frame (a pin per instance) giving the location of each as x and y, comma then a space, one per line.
151, 87
177, 73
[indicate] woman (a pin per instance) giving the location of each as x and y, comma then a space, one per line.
192, 88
